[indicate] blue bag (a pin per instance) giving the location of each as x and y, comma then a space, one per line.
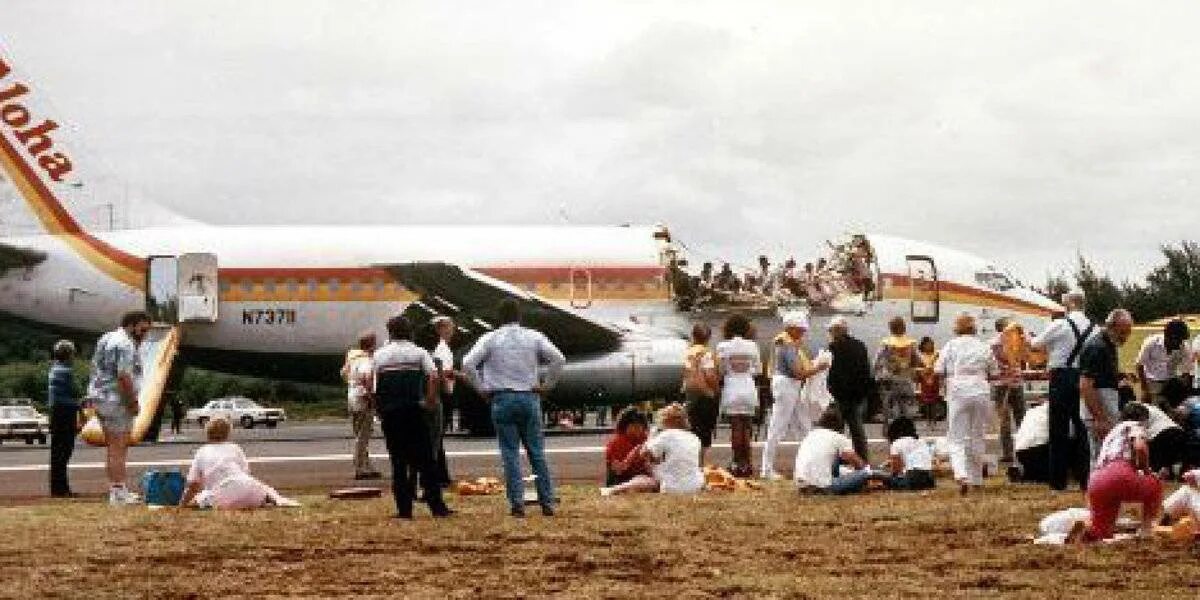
164, 488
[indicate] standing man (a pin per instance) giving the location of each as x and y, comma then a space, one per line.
850, 380
406, 386
443, 358
1099, 377
1063, 341
359, 373
1165, 357
503, 366
113, 390
1008, 388
177, 413
64, 412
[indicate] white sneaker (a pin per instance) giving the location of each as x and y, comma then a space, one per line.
772, 476
606, 492
120, 496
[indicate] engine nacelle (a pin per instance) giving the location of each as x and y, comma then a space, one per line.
642, 369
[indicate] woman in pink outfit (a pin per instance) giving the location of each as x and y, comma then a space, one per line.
220, 476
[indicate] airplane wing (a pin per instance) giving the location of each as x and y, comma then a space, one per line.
14, 257
471, 298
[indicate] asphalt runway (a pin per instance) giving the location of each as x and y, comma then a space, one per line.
315, 456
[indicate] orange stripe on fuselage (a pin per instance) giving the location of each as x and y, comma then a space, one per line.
123, 267
898, 287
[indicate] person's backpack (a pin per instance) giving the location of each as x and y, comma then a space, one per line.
162, 488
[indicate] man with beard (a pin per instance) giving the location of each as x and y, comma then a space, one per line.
113, 390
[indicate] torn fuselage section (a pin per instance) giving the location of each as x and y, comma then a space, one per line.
844, 281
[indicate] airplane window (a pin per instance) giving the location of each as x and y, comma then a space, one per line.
334, 285
247, 286
269, 286
312, 285
293, 286
356, 286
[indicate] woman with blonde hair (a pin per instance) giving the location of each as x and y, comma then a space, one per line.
674, 457
220, 475
966, 363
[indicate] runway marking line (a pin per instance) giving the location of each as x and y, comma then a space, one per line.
264, 460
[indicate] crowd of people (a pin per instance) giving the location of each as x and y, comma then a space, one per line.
849, 271
1091, 428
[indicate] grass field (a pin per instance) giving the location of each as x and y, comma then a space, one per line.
769, 544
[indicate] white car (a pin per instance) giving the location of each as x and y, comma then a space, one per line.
240, 411
23, 422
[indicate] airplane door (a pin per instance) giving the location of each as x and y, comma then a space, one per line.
923, 289
198, 291
162, 289
581, 288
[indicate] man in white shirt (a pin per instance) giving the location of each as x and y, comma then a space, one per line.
505, 366
359, 374
1165, 357
441, 419
821, 455
1063, 342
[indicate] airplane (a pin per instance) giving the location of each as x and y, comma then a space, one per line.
285, 302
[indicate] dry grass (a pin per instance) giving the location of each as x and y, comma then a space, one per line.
765, 544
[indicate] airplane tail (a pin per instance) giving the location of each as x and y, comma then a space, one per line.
44, 187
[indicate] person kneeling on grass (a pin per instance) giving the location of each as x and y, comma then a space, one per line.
623, 458
674, 457
910, 460
821, 456
220, 476
1122, 475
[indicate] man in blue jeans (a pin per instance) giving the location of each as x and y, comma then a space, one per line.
504, 366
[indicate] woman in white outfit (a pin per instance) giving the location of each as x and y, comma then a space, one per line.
220, 476
791, 368
739, 364
966, 364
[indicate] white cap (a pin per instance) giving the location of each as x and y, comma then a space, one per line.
796, 319
440, 319
838, 321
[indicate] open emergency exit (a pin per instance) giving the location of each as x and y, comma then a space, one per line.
182, 289
581, 288
924, 292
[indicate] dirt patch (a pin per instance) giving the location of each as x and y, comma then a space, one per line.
770, 544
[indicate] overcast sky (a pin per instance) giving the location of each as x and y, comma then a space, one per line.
1016, 130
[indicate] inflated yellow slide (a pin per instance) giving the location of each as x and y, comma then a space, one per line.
158, 352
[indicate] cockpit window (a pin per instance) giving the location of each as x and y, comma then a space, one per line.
994, 280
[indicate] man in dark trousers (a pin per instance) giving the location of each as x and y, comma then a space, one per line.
850, 380
64, 412
1063, 342
406, 386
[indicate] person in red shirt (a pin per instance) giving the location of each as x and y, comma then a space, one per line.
622, 457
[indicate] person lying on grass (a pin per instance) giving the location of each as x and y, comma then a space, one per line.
822, 454
1185, 502
910, 460
674, 457
623, 458
220, 476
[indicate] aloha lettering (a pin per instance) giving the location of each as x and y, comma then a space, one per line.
35, 138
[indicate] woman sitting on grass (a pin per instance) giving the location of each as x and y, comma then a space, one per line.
623, 453
674, 457
1185, 502
910, 460
220, 476
821, 456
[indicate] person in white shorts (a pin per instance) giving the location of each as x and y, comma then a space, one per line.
674, 457
113, 392
220, 476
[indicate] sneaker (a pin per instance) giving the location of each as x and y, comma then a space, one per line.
121, 496
772, 476
518, 513
547, 511
606, 492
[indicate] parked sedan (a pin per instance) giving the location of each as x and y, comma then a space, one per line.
23, 423
242, 411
